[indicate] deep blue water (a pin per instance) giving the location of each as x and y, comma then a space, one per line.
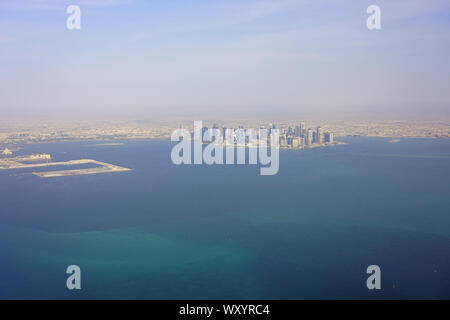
226, 232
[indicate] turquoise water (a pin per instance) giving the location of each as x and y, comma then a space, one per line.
225, 232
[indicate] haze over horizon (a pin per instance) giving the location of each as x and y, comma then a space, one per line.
224, 58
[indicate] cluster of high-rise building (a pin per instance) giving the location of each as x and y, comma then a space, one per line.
295, 138
300, 136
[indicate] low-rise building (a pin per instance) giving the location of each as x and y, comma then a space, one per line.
7, 152
40, 156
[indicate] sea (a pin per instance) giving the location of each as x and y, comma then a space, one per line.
165, 231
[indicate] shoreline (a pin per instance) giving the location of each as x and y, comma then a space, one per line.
120, 142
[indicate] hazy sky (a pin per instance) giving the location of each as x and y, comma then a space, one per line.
157, 57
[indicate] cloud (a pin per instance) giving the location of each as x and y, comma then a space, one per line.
28, 5
266, 8
397, 9
248, 11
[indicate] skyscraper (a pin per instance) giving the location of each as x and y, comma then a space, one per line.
302, 129
298, 131
319, 135
204, 130
309, 137
329, 137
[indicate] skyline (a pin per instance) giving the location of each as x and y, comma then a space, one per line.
140, 58
20, 133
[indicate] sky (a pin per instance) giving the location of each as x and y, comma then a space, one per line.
135, 58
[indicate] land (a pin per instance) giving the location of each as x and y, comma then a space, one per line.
20, 132
14, 134
17, 163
